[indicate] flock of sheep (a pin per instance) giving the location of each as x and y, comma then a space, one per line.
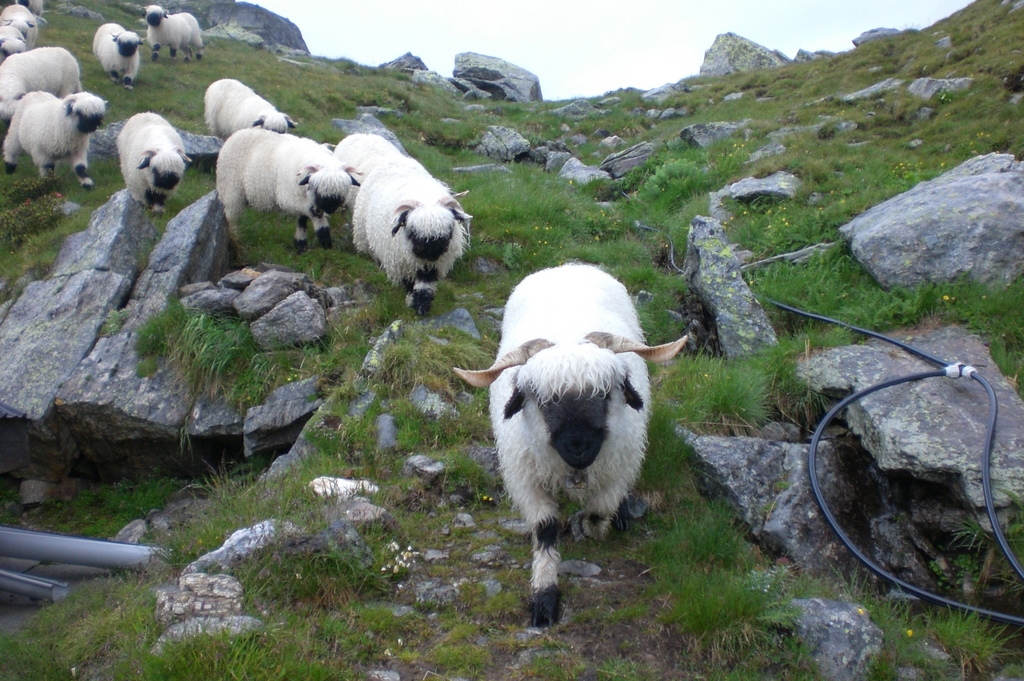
569, 390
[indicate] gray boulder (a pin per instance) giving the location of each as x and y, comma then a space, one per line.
731, 53
875, 34
926, 88
274, 29
368, 123
841, 638
705, 134
276, 424
54, 324
267, 290
503, 144
874, 90
931, 430
215, 419
967, 222
771, 149
408, 62
435, 79
803, 56
212, 301
712, 272
202, 149
498, 77
621, 162
296, 320
129, 425
581, 108
578, 172
662, 93
777, 186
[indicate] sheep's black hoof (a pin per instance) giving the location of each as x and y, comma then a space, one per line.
300, 246
127, 83
174, 54
544, 607
621, 519
155, 55
114, 76
421, 301
10, 167
199, 57
324, 237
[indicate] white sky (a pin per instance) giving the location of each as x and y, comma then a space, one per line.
589, 48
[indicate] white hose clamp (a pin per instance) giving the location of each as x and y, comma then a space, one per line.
960, 371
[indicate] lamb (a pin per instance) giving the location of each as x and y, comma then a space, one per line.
34, 6
231, 106
11, 42
118, 52
50, 129
401, 196
49, 69
364, 152
152, 159
177, 31
281, 172
22, 19
569, 404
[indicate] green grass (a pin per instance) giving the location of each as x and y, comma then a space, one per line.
719, 600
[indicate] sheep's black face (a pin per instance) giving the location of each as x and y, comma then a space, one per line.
429, 248
578, 426
328, 203
165, 180
127, 48
89, 124
154, 18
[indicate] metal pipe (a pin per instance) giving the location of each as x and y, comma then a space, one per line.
39, 588
48, 547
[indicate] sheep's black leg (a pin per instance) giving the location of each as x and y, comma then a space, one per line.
114, 75
83, 176
323, 235
10, 167
156, 51
424, 290
155, 200
621, 519
545, 599
300, 234
174, 53
128, 82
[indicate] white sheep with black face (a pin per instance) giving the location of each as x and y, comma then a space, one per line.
412, 225
45, 69
152, 159
118, 52
569, 402
177, 31
51, 130
274, 172
34, 6
22, 19
231, 105
11, 42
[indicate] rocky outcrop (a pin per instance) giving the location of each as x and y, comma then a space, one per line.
621, 162
53, 326
875, 34
731, 53
274, 29
127, 425
408, 63
503, 144
498, 77
703, 135
369, 124
966, 222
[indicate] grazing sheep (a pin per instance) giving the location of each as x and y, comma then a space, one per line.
364, 152
412, 225
48, 69
152, 159
231, 106
280, 172
11, 42
50, 130
22, 19
34, 6
118, 52
177, 31
570, 401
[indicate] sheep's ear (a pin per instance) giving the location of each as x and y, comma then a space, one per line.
513, 358
658, 354
355, 182
633, 398
258, 122
515, 403
69, 108
402, 217
305, 180
460, 215
114, 37
145, 161
289, 121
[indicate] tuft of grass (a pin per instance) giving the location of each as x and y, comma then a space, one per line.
710, 395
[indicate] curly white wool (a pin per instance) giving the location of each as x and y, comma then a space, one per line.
273, 172
401, 208
118, 52
23, 20
46, 69
11, 42
51, 130
175, 31
232, 106
152, 159
364, 152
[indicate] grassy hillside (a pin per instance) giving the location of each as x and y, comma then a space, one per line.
689, 597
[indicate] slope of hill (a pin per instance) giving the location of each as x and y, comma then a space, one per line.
681, 595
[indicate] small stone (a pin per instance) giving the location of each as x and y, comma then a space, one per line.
423, 467
578, 568
463, 520
387, 432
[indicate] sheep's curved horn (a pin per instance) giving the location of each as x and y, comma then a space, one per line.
513, 358
657, 354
